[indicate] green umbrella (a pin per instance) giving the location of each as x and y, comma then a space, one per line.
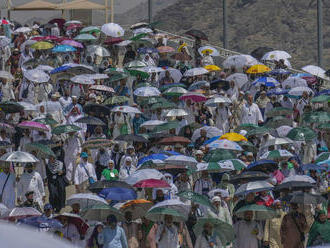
168, 86
237, 163
116, 71
65, 129
100, 212
117, 77
135, 64
279, 111
246, 127
90, 29
139, 36
47, 121
301, 134
97, 143
175, 91
196, 198
215, 167
324, 126
116, 100
223, 230
163, 105
157, 214
44, 150
135, 73
258, 131
260, 212
219, 154
316, 117
321, 98
278, 121
11, 107
166, 126
277, 155
85, 37
322, 157
142, 84
150, 100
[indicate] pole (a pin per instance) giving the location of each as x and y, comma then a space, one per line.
8, 9
150, 11
319, 33
106, 11
112, 12
63, 11
224, 7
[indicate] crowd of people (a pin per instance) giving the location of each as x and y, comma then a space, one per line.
163, 142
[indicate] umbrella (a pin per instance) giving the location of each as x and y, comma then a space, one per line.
82, 79
257, 131
45, 68
90, 120
33, 126
85, 37
165, 49
267, 81
98, 50
151, 69
158, 214
45, 150
195, 97
104, 184
276, 55
6, 75
263, 164
155, 156
132, 137
239, 78
36, 76
90, 29
301, 134
306, 198
138, 207
277, 155
214, 102
316, 71
296, 182
176, 112
115, 99
196, 198
174, 73
61, 129
181, 160
100, 212
42, 45
113, 30
237, 61
126, 109
219, 154
175, 91
233, 137
147, 92
96, 109
278, 121
211, 50
298, 91
46, 121
293, 82
28, 106
222, 229
279, 111
22, 30
11, 107
152, 183
226, 145
195, 72
174, 204
63, 49
20, 213
19, 236
75, 219
252, 187
174, 140
41, 222
152, 124
316, 117
197, 34
135, 64
85, 200
215, 167
19, 157
212, 68
322, 157
249, 176
142, 175
118, 194
320, 99
260, 212
72, 43
198, 85
324, 126
258, 69
97, 143
278, 141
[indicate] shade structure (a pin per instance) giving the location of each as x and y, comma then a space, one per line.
79, 4
36, 5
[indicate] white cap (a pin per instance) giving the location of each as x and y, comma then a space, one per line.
216, 199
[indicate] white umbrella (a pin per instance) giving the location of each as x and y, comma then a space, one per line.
175, 204
142, 31
124, 43
250, 61
6, 75
316, 71
23, 30
3, 209
251, 187
143, 174
126, 109
181, 160
82, 79
19, 157
298, 91
177, 90
225, 144
45, 68
196, 72
281, 154
176, 112
276, 55
224, 166
292, 82
299, 178
212, 51
113, 30
278, 141
210, 132
27, 43
68, 23
147, 92
28, 106
19, 236
175, 74
151, 69
102, 88
237, 61
97, 76
214, 102
36, 76
98, 50
239, 78
151, 124
4, 41
85, 200
283, 131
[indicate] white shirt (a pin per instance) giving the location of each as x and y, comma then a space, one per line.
81, 174
251, 114
244, 236
169, 238
65, 101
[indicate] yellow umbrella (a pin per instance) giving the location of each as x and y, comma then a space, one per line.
182, 46
233, 137
212, 68
42, 45
138, 207
258, 69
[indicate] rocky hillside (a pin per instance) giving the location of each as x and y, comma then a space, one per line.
280, 24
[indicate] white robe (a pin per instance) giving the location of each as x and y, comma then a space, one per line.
126, 172
201, 242
81, 174
9, 195
244, 236
7, 92
222, 119
169, 238
251, 114
71, 148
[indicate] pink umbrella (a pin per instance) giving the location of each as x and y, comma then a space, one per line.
33, 125
195, 97
72, 43
20, 213
152, 183
102, 88
5, 126
165, 49
74, 26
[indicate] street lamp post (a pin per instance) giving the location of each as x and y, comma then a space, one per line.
224, 8
150, 11
319, 33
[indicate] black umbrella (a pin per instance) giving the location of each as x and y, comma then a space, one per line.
132, 137
248, 176
215, 84
90, 120
260, 52
99, 185
294, 186
11, 107
304, 198
96, 109
197, 34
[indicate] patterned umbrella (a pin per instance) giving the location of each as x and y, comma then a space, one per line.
75, 219
195, 72
20, 213
174, 140
44, 150
65, 129
19, 157
253, 187
113, 30
101, 88
195, 97
260, 212
72, 43
152, 183
36, 76
147, 92
90, 120
225, 144
301, 134
215, 167
138, 207
33, 126
165, 49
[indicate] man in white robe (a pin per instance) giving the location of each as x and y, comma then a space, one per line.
84, 172
251, 112
7, 187
7, 90
223, 118
167, 234
71, 147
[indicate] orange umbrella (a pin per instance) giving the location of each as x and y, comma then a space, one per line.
138, 207
233, 137
165, 49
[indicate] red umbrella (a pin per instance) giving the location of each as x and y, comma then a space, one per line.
4, 22
174, 140
50, 38
195, 97
33, 125
113, 40
151, 183
75, 219
60, 22
165, 49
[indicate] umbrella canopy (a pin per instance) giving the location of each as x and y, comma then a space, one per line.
279, 111
19, 157
82, 79
316, 71
233, 137
225, 144
301, 134
174, 73
152, 183
214, 102
76, 220
215, 167
90, 120
42, 45
113, 30
174, 140
175, 91
20, 213
46, 121
135, 64
142, 175
292, 82
44, 150
263, 164
72, 43
138, 207
63, 49
116, 100
100, 212
196, 198
131, 137
118, 194
152, 124
267, 81
252, 187
195, 72
4, 41
90, 30
320, 98
237, 61
297, 182
61, 129
316, 117
165, 49
277, 155
306, 198
176, 112
278, 141
219, 154
322, 157
36, 76
126, 109
11, 107
85, 37
85, 200
22, 30
211, 50
298, 91
195, 97
6, 75
33, 126
96, 109
41, 222
104, 184
181, 160
249, 176
147, 92
97, 143
278, 121
98, 50
237, 164
158, 214
260, 212
239, 78
276, 55
258, 69
174, 204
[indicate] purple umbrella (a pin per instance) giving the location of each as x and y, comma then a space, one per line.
72, 43
33, 125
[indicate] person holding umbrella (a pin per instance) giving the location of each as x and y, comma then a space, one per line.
84, 174
207, 238
167, 233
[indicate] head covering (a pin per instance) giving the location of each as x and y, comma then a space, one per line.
92, 95
128, 159
199, 152
216, 199
130, 147
48, 206
29, 193
111, 161
112, 218
84, 155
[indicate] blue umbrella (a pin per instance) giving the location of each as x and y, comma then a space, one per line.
158, 156
262, 164
170, 153
277, 92
211, 140
41, 222
60, 69
198, 85
118, 194
313, 167
267, 81
63, 49
145, 50
277, 72
323, 92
